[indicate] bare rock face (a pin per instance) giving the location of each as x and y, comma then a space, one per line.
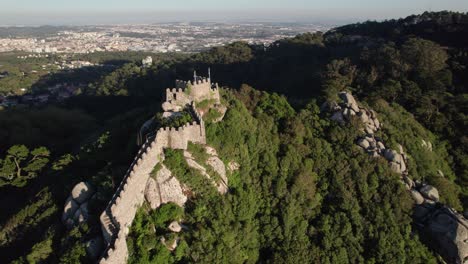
349, 100
218, 166
164, 189
417, 197
70, 208
82, 192
363, 143
338, 117
76, 206
175, 227
430, 192
445, 230
214, 162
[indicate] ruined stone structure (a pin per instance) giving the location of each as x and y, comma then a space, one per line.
130, 195
444, 229
190, 91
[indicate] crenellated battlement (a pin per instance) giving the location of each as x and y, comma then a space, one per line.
185, 92
118, 216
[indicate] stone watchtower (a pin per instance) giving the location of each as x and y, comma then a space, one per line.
186, 92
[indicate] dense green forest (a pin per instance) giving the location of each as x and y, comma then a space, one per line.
303, 194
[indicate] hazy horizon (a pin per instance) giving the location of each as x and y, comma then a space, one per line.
87, 12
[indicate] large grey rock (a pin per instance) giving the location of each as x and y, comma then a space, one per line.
390, 154
349, 101
218, 166
369, 130
380, 145
338, 117
430, 192
82, 192
376, 123
174, 226
395, 167
409, 182
417, 197
69, 209
364, 117
363, 143
447, 232
403, 165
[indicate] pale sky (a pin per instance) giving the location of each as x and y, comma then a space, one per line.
68, 12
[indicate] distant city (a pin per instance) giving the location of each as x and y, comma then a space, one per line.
158, 38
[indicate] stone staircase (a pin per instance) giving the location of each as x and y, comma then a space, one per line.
108, 226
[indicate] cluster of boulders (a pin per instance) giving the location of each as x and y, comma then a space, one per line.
344, 111
443, 228
76, 206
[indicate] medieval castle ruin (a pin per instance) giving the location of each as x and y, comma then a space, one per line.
130, 195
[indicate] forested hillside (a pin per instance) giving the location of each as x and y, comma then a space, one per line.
304, 192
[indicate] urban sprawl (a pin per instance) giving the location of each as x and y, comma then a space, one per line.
174, 37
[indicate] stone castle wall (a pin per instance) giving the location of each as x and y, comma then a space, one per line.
193, 91
120, 212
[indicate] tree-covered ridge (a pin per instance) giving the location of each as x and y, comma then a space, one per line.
304, 193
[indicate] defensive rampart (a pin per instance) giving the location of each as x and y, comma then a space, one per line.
120, 212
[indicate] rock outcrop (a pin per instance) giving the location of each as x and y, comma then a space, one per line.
215, 163
76, 206
444, 229
164, 188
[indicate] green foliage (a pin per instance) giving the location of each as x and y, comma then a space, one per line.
21, 165
166, 214
73, 245
199, 184
40, 251
424, 164
179, 120
233, 53
148, 228
62, 162
198, 152
424, 56
205, 104
28, 218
